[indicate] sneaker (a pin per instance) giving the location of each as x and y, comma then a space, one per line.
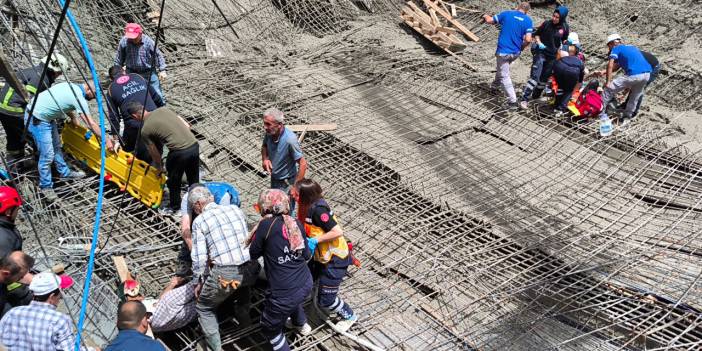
304, 330
49, 194
524, 105
346, 324
74, 175
512, 106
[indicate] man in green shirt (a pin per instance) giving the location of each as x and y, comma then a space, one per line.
163, 126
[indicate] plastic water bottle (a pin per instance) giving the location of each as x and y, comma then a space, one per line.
606, 128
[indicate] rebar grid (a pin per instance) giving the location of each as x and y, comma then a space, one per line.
478, 228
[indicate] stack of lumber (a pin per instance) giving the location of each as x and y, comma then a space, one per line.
430, 24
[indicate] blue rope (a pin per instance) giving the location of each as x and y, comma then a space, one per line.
98, 209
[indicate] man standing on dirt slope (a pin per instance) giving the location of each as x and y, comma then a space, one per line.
515, 36
548, 38
637, 72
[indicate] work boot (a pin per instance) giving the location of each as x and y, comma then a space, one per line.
74, 175
49, 194
346, 324
303, 330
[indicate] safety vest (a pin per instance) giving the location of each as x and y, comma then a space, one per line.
337, 247
13, 103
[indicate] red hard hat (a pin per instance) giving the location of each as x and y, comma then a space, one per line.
9, 198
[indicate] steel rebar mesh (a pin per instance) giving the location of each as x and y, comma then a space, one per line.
477, 228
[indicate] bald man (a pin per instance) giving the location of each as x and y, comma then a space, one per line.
133, 323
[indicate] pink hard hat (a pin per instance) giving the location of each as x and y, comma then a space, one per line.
132, 30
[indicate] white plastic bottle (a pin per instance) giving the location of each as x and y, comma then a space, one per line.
606, 128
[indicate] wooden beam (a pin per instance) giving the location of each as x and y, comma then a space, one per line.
434, 19
10, 77
419, 11
312, 127
453, 10
455, 23
122, 269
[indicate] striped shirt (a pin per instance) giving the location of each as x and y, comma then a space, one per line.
219, 234
39, 327
138, 58
175, 309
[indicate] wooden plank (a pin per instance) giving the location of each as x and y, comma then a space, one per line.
421, 25
10, 77
312, 127
453, 10
434, 19
446, 30
423, 15
122, 269
455, 23
443, 37
443, 5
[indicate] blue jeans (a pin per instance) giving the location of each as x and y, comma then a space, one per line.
155, 84
48, 142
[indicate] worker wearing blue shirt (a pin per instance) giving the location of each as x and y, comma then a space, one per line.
515, 36
637, 72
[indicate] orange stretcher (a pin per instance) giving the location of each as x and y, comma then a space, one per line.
146, 183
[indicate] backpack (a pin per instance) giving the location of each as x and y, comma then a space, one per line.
588, 104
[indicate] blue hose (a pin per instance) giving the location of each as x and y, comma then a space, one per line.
98, 209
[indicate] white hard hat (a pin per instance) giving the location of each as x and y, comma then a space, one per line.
58, 63
573, 38
613, 37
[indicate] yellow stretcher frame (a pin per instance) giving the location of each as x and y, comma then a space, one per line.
146, 183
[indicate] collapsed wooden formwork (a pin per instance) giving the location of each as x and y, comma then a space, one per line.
431, 25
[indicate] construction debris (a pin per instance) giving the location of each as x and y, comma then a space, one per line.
431, 28
478, 229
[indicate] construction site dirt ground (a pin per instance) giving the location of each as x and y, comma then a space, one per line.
477, 228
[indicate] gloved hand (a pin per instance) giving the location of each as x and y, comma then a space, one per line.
115, 145
162, 75
541, 46
312, 243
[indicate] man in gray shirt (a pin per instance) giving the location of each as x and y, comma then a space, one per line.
281, 153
